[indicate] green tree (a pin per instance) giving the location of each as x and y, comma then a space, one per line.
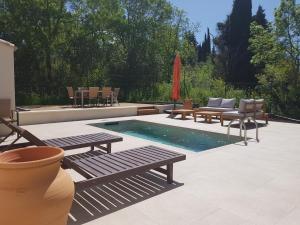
287, 27
122, 43
36, 27
204, 49
232, 43
260, 17
277, 48
189, 49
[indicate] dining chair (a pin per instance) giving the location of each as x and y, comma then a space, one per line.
72, 96
115, 96
93, 95
106, 95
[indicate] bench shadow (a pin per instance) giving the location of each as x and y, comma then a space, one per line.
101, 200
204, 122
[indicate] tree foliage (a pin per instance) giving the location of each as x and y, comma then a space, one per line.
260, 17
122, 43
277, 48
132, 44
233, 58
287, 28
204, 49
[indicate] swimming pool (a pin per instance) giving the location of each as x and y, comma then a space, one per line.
190, 139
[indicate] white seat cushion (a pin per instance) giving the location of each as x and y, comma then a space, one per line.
237, 114
215, 109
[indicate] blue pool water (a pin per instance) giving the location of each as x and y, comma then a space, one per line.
193, 140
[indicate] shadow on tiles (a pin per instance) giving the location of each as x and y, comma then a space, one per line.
107, 198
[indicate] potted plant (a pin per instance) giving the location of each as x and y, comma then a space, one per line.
34, 189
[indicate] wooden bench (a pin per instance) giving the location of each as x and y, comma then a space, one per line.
66, 143
147, 110
183, 112
208, 115
103, 168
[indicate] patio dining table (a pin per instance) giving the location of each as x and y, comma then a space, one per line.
81, 92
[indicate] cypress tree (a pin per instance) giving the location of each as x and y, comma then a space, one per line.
260, 17
213, 52
204, 45
200, 53
233, 43
208, 43
204, 49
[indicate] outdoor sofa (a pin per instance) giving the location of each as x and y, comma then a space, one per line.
228, 105
219, 105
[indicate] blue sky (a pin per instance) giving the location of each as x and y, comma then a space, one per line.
209, 12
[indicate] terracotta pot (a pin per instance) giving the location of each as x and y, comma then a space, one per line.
34, 190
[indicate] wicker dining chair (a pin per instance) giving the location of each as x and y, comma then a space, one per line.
93, 95
72, 96
106, 95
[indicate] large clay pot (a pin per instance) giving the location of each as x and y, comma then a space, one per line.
34, 190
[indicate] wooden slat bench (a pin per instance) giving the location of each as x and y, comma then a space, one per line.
147, 110
87, 140
66, 143
108, 167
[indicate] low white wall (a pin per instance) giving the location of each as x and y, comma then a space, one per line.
52, 116
7, 76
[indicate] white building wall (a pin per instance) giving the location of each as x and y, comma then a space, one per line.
7, 75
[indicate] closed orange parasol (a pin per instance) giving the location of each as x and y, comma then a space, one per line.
176, 79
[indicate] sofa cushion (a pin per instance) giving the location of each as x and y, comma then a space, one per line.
259, 104
214, 102
227, 103
246, 105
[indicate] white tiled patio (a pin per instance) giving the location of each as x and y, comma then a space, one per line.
258, 184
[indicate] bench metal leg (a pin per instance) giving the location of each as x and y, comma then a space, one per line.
108, 148
170, 173
221, 120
